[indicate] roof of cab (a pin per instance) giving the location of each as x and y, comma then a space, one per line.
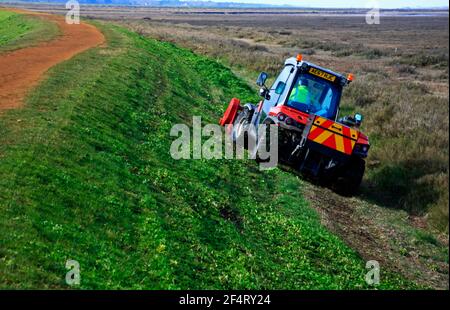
293, 61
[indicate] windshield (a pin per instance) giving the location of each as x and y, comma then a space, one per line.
314, 95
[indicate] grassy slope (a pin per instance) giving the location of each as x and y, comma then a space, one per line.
18, 31
86, 175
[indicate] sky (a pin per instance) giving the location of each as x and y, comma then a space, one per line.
350, 3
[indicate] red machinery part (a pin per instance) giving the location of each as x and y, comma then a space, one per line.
362, 139
230, 113
298, 116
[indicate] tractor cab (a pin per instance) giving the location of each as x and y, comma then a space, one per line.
303, 88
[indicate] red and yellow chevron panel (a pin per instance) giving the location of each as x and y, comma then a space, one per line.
333, 135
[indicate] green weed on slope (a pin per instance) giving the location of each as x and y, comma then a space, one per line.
18, 30
87, 175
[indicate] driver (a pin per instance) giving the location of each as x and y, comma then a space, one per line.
301, 93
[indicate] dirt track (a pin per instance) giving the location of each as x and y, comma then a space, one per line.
22, 69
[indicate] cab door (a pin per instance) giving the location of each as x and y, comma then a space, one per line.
278, 91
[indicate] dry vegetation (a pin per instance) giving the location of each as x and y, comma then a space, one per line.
401, 67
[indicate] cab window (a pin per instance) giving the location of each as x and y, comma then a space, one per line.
278, 89
313, 94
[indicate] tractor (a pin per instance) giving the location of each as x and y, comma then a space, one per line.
303, 103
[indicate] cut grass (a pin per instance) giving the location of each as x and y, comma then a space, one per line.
19, 31
87, 175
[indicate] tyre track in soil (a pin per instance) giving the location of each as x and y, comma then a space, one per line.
357, 222
23, 69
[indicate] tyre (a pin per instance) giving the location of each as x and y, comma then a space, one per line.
264, 141
240, 128
348, 182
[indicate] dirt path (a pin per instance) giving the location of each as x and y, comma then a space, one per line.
22, 69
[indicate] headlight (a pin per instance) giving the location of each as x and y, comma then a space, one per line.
290, 121
361, 150
281, 117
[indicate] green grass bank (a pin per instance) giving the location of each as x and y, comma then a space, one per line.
19, 31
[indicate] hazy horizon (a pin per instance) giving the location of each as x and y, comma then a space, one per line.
325, 4
393, 4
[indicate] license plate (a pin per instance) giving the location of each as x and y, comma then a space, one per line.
322, 74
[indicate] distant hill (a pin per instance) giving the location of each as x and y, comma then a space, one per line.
167, 3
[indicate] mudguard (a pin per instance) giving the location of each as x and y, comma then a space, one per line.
230, 113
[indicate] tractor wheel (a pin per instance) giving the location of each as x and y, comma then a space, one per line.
240, 128
348, 182
263, 142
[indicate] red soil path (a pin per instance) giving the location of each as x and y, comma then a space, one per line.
22, 69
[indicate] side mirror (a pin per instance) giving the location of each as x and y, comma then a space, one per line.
261, 81
358, 119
